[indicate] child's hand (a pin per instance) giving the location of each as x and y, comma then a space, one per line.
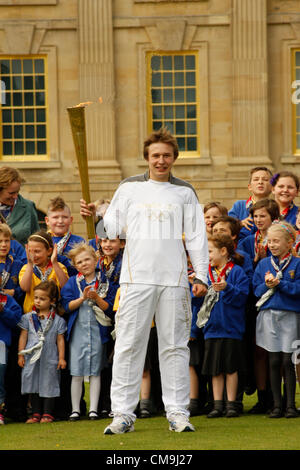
9, 292
270, 280
219, 286
54, 254
247, 223
21, 361
29, 255
62, 364
92, 294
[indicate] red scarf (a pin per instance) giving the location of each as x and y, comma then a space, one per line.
225, 271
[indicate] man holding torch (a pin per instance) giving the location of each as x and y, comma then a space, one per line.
155, 210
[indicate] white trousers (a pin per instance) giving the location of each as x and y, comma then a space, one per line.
172, 309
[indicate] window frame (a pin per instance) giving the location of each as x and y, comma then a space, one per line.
28, 157
149, 104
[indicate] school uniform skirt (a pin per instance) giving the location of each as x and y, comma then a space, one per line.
223, 356
277, 330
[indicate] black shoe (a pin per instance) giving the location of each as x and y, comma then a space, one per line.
93, 415
215, 414
232, 410
74, 416
144, 413
291, 412
276, 413
258, 409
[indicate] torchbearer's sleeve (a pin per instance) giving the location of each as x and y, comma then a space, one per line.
115, 219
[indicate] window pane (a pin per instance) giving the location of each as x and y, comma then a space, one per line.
168, 96
4, 66
6, 99
155, 62
7, 148
19, 148
169, 125
7, 82
181, 143
30, 148
29, 115
28, 99
180, 127
39, 82
18, 115
191, 127
168, 110
191, 111
157, 125
41, 132
6, 115
157, 112
40, 115
156, 96
190, 62
191, 143
29, 132
18, 132
179, 112
178, 62
41, 147
297, 58
167, 62
190, 95
298, 141
17, 99
7, 132
27, 66
179, 94
40, 99
297, 74
39, 66
28, 82
156, 79
17, 83
16, 66
190, 78
167, 79
179, 79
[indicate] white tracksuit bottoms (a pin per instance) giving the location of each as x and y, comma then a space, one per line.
172, 309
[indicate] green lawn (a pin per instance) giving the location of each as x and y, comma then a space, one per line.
244, 433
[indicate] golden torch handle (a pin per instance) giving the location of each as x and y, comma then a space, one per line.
77, 121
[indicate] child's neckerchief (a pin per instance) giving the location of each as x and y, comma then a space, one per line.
41, 334
212, 297
279, 268
5, 273
3, 300
249, 203
62, 243
43, 276
286, 211
259, 240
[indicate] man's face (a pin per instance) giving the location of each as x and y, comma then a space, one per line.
160, 159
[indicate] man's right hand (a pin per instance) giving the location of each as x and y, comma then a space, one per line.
87, 210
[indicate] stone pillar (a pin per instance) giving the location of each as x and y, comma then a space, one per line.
96, 79
250, 86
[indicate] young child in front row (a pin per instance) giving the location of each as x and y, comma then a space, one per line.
260, 188
42, 265
42, 352
276, 283
10, 314
89, 298
223, 310
59, 220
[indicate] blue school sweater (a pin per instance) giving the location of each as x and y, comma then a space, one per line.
248, 246
63, 258
240, 212
287, 293
292, 215
9, 318
227, 318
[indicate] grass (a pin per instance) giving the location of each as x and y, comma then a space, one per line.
247, 432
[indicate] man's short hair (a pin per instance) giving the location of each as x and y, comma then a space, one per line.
163, 135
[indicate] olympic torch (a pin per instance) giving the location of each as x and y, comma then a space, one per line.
77, 121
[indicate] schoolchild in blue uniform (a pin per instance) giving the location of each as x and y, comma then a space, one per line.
285, 189
260, 188
10, 314
276, 284
222, 316
59, 220
89, 297
263, 213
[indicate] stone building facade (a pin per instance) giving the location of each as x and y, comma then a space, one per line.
236, 100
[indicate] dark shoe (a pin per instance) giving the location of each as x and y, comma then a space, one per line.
258, 409
144, 413
74, 416
276, 413
291, 413
215, 414
93, 415
232, 410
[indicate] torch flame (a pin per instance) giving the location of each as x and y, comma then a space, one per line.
88, 103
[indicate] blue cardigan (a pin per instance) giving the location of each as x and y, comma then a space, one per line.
9, 318
239, 211
287, 293
227, 318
